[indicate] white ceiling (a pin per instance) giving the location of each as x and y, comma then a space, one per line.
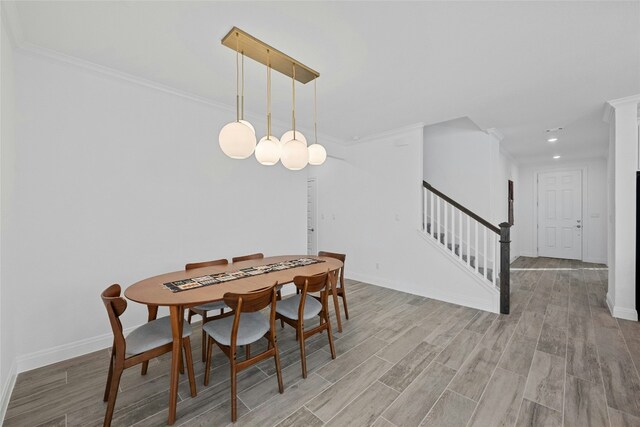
518, 67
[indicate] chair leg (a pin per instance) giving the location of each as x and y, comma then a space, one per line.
303, 356
186, 343
336, 307
247, 351
278, 370
189, 316
234, 415
113, 394
204, 335
181, 361
109, 376
344, 302
145, 366
331, 347
207, 367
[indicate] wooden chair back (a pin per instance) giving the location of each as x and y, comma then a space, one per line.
340, 257
195, 265
317, 283
247, 257
252, 301
115, 305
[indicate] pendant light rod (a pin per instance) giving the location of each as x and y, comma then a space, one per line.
315, 110
293, 111
242, 96
269, 101
237, 79
261, 52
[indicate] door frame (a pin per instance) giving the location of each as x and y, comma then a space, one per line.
315, 208
565, 168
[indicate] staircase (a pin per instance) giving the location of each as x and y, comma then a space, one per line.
481, 247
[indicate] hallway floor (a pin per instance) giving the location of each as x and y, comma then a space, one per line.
558, 359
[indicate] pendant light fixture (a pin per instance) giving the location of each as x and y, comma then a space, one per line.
317, 153
238, 139
295, 154
268, 149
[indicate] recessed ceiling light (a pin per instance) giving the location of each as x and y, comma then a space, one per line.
552, 139
556, 157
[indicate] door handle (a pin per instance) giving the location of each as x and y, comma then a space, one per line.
578, 226
310, 229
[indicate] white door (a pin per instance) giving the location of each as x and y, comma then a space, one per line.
312, 248
560, 214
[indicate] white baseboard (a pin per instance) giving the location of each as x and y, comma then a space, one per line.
62, 352
7, 389
529, 254
621, 312
595, 260
480, 304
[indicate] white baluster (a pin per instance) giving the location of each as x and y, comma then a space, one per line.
460, 237
476, 245
436, 234
496, 264
485, 253
468, 239
424, 209
445, 224
432, 217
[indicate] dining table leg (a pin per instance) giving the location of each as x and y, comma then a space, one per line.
176, 313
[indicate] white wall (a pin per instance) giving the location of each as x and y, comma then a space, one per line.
370, 208
458, 159
116, 182
8, 311
594, 206
468, 165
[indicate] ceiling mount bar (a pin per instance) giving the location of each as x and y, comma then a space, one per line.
259, 51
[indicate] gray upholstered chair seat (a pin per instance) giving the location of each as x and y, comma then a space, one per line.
252, 327
151, 335
217, 305
289, 307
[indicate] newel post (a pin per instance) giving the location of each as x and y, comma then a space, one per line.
505, 258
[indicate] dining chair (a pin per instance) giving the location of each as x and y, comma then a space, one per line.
340, 290
243, 326
142, 344
298, 308
247, 257
204, 309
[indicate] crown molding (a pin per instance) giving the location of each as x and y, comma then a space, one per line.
495, 132
389, 133
610, 106
10, 17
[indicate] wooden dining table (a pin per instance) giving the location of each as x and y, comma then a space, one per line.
153, 294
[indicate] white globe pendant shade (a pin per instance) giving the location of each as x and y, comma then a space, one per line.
288, 136
268, 150
237, 140
295, 155
317, 154
249, 125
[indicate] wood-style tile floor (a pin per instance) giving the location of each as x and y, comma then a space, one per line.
558, 359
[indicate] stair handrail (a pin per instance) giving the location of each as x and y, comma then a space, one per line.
467, 211
503, 230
